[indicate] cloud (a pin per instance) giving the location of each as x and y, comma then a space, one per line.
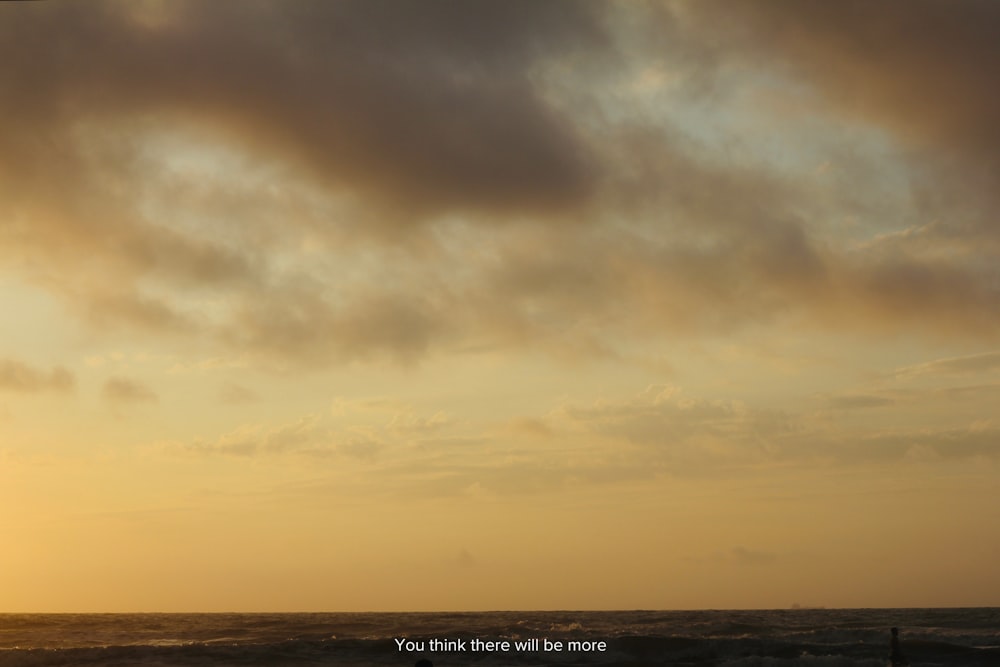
945, 48
253, 440
363, 182
918, 74
660, 421
738, 555
465, 559
528, 427
419, 107
983, 362
309, 436
408, 424
656, 437
123, 390
341, 406
859, 401
20, 377
661, 430
375, 325
661, 417
976, 442
745, 556
234, 394
922, 69
396, 108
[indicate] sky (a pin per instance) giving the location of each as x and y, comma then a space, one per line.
396, 305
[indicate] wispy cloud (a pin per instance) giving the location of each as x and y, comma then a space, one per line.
745, 556
123, 391
17, 376
738, 555
235, 394
859, 401
310, 437
984, 362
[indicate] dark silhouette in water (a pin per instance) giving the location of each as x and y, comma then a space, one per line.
424, 662
896, 657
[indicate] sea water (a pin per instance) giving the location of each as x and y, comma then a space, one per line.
770, 638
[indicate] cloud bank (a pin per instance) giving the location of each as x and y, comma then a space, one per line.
338, 182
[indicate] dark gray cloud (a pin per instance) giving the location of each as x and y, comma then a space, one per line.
923, 69
902, 54
585, 217
922, 73
408, 109
419, 107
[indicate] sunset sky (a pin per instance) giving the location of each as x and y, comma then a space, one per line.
450, 305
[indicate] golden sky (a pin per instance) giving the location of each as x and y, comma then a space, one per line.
394, 305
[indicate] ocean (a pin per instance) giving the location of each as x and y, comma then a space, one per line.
769, 638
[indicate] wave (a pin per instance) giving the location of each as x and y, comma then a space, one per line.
632, 639
624, 651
